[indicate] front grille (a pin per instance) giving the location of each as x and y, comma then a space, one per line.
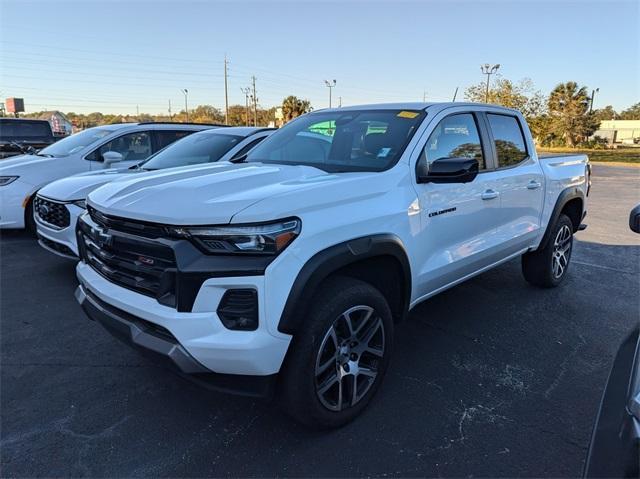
51, 212
139, 228
132, 261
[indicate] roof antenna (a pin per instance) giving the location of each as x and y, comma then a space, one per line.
455, 95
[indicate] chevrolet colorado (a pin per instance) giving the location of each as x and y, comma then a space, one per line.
287, 272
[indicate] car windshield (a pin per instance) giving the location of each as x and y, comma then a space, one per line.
198, 148
17, 130
341, 141
75, 143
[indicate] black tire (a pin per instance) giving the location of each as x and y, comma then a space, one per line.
539, 267
29, 220
299, 390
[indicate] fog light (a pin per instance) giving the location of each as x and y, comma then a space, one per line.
238, 309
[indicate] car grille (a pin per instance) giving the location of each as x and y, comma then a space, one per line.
130, 260
51, 212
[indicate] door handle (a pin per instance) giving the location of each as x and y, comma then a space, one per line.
489, 195
533, 185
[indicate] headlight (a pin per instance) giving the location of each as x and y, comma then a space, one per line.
81, 203
248, 239
5, 180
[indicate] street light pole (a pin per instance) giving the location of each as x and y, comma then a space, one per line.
330, 85
593, 95
186, 108
488, 70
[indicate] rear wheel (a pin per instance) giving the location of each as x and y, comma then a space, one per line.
338, 360
547, 267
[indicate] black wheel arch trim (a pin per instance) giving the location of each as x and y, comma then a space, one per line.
330, 260
564, 197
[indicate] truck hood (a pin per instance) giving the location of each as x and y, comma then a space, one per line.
212, 195
77, 187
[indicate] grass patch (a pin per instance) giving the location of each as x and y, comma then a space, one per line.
619, 155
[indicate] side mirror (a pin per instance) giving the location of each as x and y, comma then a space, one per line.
448, 170
111, 157
634, 219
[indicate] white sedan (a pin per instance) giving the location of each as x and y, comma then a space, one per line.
90, 150
58, 205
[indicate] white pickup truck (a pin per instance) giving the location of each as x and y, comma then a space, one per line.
287, 272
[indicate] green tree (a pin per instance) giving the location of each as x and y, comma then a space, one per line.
631, 113
520, 96
292, 107
569, 109
606, 113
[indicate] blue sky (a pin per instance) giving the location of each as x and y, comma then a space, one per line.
111, 56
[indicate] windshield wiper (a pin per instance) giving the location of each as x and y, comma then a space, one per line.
239, 159
46, 155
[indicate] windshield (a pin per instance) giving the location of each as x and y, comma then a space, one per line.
341, 141
198, 148
24, 130
75, 143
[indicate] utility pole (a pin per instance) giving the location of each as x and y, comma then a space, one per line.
593, 95
488, 70
185, 92
330, 85
226, 93
340, 101
247, 94
255, 102
170, 116
424, 96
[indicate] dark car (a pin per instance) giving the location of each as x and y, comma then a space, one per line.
20, 135
615, 445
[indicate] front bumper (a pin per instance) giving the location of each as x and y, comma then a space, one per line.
200, 333
61, 242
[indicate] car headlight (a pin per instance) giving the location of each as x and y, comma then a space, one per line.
5, 180
81, 203
242, 239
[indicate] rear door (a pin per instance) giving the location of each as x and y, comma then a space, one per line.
520, 182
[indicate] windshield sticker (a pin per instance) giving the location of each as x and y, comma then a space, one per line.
407, 114
384, 152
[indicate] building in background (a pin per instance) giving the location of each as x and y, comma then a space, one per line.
626, 132
60, 124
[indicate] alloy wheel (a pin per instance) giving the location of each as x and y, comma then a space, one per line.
348, 360
561, 252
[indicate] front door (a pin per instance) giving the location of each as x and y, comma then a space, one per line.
459, 220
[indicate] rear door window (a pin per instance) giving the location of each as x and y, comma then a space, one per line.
166, 137
508, 139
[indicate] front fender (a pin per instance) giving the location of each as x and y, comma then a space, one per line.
330, 260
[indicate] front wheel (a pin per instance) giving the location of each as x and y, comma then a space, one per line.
339, 357
547, 267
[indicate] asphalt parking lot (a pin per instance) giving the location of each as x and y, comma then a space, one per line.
491, 378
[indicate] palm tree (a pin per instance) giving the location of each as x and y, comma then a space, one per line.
569, 106
292, 107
